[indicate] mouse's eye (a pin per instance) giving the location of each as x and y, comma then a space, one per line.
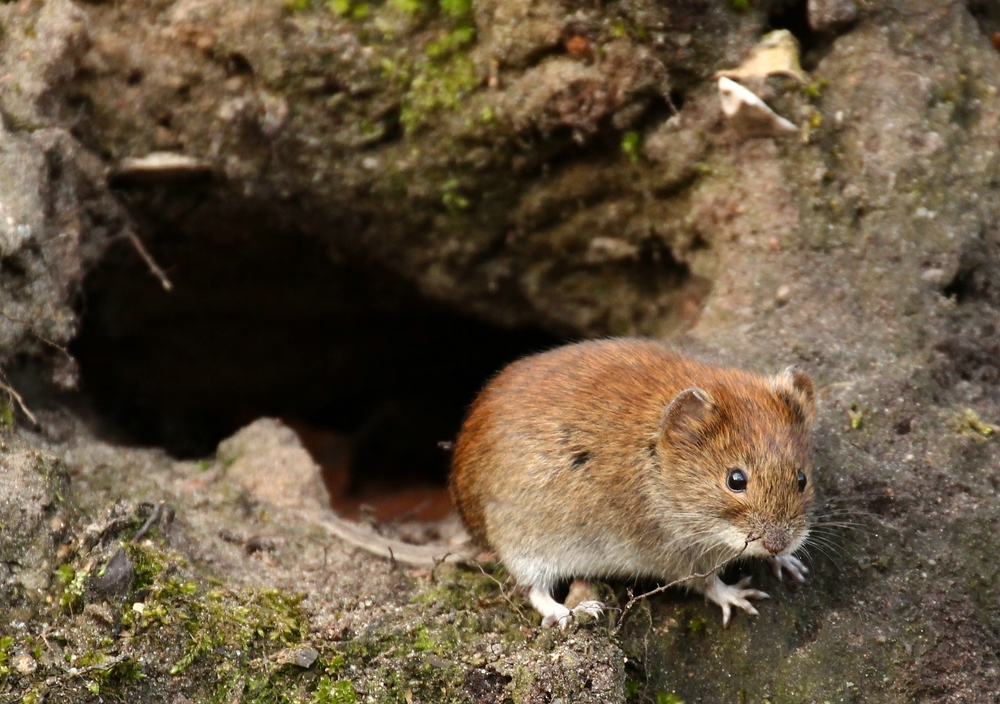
802, 482
737, 480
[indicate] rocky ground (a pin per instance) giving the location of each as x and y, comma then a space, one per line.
550, 168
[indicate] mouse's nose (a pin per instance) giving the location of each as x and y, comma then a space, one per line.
776, 539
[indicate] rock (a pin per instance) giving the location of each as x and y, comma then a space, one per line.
267, 459
24, 663
300, 657
30, 484
888, 250
118, 574
563, 92
828, 15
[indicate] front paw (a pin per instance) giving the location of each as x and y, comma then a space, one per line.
793, 565
730, 595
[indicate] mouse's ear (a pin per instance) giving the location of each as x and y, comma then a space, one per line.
795, 388
687, 415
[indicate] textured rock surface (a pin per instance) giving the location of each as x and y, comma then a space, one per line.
55, 213
529, 162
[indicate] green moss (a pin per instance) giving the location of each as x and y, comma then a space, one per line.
451, 42
436, 86
423, 641
970, 425
107, 673
226, 621
632, 146
148, 563
451, 198
696, 625
330, 692
348, 8
409, 7
814, 89
740, 4
6, 643
456, 8
458, 589
6, 415
857, 417
73, 583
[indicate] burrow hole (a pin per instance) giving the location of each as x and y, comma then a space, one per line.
263, 322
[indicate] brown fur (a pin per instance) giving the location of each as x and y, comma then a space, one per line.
582, 453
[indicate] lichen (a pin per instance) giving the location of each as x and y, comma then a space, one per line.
970, 425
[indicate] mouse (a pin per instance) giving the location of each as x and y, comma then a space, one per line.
625, 459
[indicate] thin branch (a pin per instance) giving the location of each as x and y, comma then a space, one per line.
148, 258
698, 575
153, 518
503, 592
20, 401
35, 332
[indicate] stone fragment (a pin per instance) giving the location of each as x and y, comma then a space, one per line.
24, 663
117, 574
303, 657
267, 459
827, 15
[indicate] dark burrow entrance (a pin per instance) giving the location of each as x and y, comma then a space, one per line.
262, 322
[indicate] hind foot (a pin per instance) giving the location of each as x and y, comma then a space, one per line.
554, 613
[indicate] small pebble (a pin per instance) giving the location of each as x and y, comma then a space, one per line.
578, 47
118, 574
24, 663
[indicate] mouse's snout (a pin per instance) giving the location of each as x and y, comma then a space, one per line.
776, 539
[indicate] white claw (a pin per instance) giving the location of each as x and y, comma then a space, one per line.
591, 608
796, 570
559, 616
554, 613
730, 595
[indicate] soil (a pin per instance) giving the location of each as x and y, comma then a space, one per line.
373, 206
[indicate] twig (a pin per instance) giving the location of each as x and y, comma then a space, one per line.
35, 332
503, 592
20, 401
148, 258
153, 518
664, 587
